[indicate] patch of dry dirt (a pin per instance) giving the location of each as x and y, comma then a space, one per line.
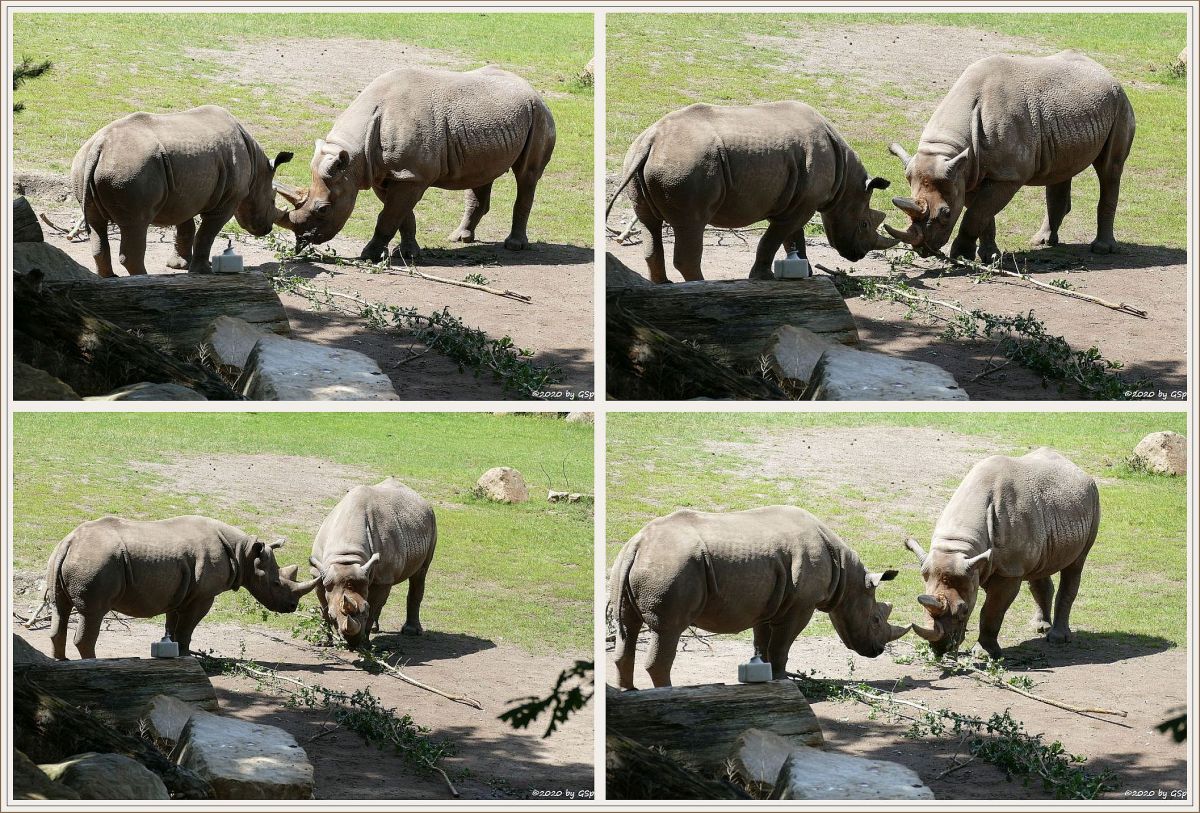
503, 763
297, 66
1137, 674
272, 481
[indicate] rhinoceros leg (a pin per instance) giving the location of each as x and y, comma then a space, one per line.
1068, 588
87, 632
412, 608
768, 247
661, 654
528, 171
762, 641
796, 243
211, 224
1058, 205
189, 617
377, 596
689, 248
477, 201
98, 242
60, 615
1000, 595
133, 247
979, 219
626, 646
652, 246
1109, 165
399, 200
1042, 591
185, 233
783, 635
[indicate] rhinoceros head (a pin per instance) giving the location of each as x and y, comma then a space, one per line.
951, 587
257, 213
346, 586
938, 186
322, 209
274, 587
861, 621
851, 225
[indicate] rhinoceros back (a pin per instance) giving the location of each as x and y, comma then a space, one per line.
1037, 513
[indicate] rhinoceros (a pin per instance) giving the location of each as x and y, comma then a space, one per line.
1008, 122
730, 167
1012, 520
765, 569
175, 566
164, 170
376, 537
414, 128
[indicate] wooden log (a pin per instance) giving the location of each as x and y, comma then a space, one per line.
92, 355
699, 725
173, 311
49, 729
25, 228
634, 771
644, 363
732, 320
119, 690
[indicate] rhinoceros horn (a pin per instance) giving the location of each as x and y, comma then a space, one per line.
898, 632
906, 236
291, 194
910, 207
935, 605
288, 576
898, 151
930, 634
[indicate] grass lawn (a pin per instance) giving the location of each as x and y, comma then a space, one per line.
107, 65
520, 574
662, 62
659, 462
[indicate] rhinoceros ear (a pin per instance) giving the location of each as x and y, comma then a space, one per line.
289, 572
281, 158
873, 579
877, 183
976, 561
955, 164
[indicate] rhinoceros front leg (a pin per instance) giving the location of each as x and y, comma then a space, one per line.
416, 594
185, 234
979, 221
1058, 204
1042, 591
399, 200
1000, 595
211, 224
478, 201
783, 635
189, 617
768, 247
377, 596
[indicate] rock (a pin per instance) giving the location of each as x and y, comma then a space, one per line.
502, 484
589, 71
54, 263
793, 353
25, 228
166, 717
846, 374
244, 760
149, 391
1163, 453
23, 652
618, 275
228, 343
581, 417
30, 782
32, 384
280, 369
757, 758
810, 773
107, 776
567, 496
1183, 56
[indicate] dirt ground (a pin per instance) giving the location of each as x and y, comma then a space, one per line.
557, 324
1151, 278
493, 761
1095, 671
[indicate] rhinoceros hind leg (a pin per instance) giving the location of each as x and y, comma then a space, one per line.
133, 248
689, 249
185, 233
1058, 205
412, 607
478, 201
101, 254
652, 245
1109, 166
1068, 588
60, 615
518, 238
660, 655
87, 632
1042, 591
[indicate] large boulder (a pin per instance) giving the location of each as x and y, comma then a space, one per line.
618, 275
30, 782
280, 369
107, 776
228, 343
502, 484
581, 417
54, 263
32, 384
166, 717
244, 760
148, 391
26, 228
846, 374
1163, 453
23, 652
792, 354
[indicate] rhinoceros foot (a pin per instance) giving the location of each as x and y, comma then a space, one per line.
1104, 246
461, 236
1045, 237
1057, 636
408, 251
516, 242
177, 262
199, 267
373, 252
410, 628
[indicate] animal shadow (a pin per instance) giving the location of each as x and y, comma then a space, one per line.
1086, 648
431, 646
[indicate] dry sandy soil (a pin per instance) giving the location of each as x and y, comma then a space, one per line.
502, 763
557, 324
1151, 278
1093, 672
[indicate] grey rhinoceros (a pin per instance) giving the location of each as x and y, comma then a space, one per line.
1012, 520
767, 569
1008, 122
414, 128
175, 566
165, 169
375, 538
730, 167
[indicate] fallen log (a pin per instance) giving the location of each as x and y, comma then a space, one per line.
732, 320
119, 690
699, 726
645, 363
25, 227
636, 772
173, 311
49, 729
92, 355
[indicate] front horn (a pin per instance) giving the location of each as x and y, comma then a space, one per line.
932, 603
930, 634
898, 632
289, 193
910, 207
905, 236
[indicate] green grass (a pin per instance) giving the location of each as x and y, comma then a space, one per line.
108, 65
520, 574
658, 463
658, 63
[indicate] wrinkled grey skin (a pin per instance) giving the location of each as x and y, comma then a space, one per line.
1012, 520
1008, 122
730, 167
414, 128
375, 538
767, 569
175, 566
163, 170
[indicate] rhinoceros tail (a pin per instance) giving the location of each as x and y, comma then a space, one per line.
85, 191
641, 149
54, 568
619, 593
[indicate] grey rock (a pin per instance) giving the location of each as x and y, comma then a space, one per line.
148, 391
581, 417
810, 773
32, 384
54, 263
166, 717
229, 341
280, 369
107, 776
793, 353
30, 782
502, 484
244, 760
618, 275
24, 652
1163, 453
